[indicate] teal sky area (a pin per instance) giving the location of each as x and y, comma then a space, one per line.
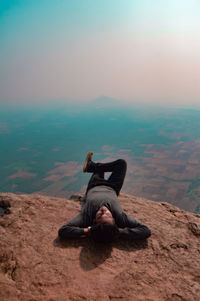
145, 51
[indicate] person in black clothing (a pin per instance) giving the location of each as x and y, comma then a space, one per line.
102, 217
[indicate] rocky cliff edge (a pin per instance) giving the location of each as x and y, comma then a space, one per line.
36, 266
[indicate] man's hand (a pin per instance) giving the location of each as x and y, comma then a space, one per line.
86, 231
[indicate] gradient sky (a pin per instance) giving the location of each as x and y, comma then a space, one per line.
135, 50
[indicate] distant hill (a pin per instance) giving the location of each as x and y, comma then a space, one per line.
104, 101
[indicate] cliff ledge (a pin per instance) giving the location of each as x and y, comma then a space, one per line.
36, 266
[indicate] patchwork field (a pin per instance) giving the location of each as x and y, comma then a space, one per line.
43, 150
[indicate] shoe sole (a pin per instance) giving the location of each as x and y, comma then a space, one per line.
89, 155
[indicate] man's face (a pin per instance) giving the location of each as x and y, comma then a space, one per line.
104, 215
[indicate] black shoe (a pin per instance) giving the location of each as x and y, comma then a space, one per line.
88, 162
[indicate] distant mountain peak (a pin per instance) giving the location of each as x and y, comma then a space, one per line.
105, 98
103, 101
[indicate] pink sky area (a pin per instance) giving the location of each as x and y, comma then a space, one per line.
134, 51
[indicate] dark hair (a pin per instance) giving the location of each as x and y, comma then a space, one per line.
104, 232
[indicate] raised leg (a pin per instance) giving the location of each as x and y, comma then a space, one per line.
95, 179
116, 179
118, 175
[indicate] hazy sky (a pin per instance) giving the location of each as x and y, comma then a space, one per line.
135, 50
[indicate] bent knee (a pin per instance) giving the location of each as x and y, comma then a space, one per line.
122, 162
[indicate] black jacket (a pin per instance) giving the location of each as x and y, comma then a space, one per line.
99, 196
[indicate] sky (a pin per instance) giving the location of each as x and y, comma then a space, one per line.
146, 51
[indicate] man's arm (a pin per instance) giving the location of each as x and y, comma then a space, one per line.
74, 228
133, 229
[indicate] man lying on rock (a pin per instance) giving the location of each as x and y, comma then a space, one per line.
102, 217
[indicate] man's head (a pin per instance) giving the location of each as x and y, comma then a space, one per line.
104, 215
104, 232
104, 229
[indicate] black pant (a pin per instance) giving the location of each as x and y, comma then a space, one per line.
116, 179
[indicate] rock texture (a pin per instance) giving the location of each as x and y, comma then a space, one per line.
36, 266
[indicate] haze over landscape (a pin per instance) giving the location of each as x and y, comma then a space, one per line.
42, 150
146, 51
59, 57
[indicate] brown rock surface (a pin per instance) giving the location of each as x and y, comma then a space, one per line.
35, 266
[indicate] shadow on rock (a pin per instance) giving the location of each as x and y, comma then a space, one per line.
131, 245
93, 254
